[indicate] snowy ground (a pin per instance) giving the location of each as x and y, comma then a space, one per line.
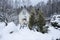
26, 34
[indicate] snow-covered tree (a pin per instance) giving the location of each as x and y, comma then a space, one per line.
37, 21
31, 21
41, 22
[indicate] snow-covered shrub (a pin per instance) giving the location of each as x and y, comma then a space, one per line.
54, 24
45, 29
55, 21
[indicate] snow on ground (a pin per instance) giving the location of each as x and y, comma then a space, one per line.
26, 34
2, 25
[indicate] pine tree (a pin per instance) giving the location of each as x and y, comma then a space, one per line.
41, 22
37, 21
31, 21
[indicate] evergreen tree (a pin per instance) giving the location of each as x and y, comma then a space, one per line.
37, 21
32, 18
41, 22
31, 21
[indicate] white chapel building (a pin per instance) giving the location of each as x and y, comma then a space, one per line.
24, 17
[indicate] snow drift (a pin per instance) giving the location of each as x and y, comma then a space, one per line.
26, 34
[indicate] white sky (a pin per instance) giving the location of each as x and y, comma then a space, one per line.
34, 2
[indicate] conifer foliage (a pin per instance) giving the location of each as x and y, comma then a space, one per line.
41, 22
31, 21
37, 20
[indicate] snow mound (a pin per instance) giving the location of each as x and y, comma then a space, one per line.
11, 27
2, 25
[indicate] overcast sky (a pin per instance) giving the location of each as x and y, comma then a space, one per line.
34, 2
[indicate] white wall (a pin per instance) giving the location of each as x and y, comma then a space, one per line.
23, 15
